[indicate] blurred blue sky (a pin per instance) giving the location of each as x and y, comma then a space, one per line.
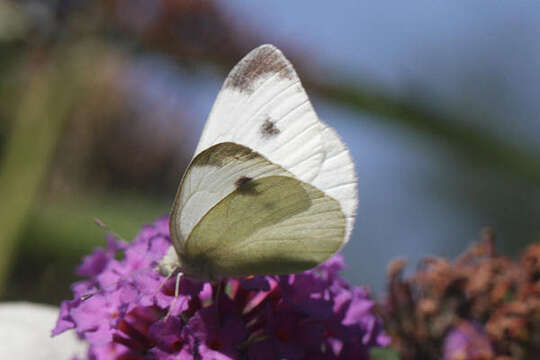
436, 46
479, 60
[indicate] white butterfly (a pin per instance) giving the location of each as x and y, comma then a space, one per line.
271, 188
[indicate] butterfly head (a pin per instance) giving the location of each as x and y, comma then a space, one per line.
170, 263
197, 268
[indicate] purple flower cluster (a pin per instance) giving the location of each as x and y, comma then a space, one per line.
467, 341
312, 315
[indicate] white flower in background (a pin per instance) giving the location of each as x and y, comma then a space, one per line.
25, 333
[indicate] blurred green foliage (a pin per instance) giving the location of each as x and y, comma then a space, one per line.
59, 232
24, 166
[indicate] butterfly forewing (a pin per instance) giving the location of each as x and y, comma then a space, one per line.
262, 105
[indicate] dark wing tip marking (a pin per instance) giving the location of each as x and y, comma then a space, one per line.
260, 61
269, 129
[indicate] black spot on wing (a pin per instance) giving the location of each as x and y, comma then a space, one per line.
244, 185
269, 129
259, 62
242, 181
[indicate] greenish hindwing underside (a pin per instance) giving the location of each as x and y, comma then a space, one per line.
280, 226
212, 175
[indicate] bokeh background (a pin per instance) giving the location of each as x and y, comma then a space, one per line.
102, 103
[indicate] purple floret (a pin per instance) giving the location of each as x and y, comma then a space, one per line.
312, 315
467, 341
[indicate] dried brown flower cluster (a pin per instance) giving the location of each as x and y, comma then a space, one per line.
184, 29
480, 306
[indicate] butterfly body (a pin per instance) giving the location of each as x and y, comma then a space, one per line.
270, 190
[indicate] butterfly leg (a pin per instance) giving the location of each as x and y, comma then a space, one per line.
176, 294
216, 299
162, 284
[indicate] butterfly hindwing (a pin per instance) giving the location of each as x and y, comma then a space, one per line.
337, 178
271, 225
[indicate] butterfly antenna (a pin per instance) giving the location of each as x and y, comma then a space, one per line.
104, 226
176, 294
163, 283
